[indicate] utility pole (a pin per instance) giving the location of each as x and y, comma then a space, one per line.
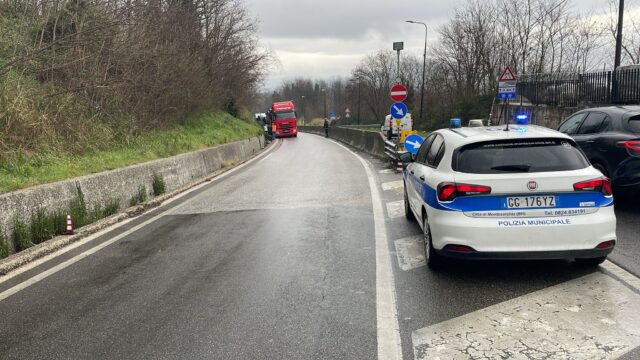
424, 65
619, 35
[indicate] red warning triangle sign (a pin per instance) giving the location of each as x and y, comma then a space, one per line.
507, 75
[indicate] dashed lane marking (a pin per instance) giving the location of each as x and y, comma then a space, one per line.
592, 317
393, 185
395, 209
410, 252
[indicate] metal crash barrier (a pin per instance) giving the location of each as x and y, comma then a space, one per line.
391, 149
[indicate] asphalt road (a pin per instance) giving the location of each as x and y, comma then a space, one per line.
627, 252
278, 260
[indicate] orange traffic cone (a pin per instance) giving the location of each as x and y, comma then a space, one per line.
69, 230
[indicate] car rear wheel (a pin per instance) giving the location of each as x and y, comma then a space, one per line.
407, 208
591, 261
430, 256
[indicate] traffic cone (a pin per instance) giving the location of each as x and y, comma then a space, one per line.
69, 229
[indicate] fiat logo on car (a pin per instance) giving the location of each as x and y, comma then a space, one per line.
532, 185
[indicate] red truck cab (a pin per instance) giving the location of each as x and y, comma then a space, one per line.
283, 116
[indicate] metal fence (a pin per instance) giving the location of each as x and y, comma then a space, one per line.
609, 87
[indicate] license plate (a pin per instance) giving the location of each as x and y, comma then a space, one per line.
521, 202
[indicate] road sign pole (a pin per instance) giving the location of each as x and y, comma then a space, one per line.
398, 64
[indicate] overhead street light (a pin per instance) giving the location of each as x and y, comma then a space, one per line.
424, 65
359, 80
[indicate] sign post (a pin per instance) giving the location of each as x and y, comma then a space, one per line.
507, 84
398, 46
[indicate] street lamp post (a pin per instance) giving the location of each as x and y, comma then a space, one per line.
324, 93
303, 114
424, 65
359, 86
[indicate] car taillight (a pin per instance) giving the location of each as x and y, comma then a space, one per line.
630, 144
447, 191
606, 245
600, 184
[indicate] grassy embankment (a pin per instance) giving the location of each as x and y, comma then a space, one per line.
195, 133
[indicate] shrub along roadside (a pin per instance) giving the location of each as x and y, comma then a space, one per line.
158, 185
4, 247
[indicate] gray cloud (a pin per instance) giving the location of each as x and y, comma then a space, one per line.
327, 38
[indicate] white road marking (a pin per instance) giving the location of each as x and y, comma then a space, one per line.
410, 252
592, 317
395, 209
388, 330
387, 171
265, 158
392, 185
43, 275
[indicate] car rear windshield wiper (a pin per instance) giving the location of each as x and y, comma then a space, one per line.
513, 168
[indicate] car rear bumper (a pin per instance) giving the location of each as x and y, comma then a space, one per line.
551, 235
527, 255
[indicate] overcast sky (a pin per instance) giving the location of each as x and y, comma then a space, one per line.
327, 38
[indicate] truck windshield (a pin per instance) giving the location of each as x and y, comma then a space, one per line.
518, 156
285, 115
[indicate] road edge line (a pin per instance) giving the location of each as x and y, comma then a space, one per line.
388, 330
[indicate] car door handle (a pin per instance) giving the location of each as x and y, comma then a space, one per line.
412, 172
422, 177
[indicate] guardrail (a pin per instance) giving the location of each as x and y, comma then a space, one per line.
391, 149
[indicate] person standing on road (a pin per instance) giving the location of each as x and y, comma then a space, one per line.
326, 127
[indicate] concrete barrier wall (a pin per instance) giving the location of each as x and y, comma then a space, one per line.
367, 141
122, 184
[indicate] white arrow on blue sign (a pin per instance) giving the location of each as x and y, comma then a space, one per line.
398, 110
412, 143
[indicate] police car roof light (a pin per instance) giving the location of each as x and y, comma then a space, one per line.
455, 123
522, 119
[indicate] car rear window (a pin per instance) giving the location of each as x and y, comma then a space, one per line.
634, 124
518, 156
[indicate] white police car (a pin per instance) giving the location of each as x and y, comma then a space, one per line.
525, 193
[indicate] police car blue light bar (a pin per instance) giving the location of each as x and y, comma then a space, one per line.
522, 119
455, 123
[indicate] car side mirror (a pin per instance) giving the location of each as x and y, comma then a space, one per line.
406, 158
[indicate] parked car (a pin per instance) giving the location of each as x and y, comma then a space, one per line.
526, 193
610, 137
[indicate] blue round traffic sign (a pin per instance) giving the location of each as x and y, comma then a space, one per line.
412, 143
398, 110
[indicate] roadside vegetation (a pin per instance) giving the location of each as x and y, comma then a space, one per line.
87, 86
19, 171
